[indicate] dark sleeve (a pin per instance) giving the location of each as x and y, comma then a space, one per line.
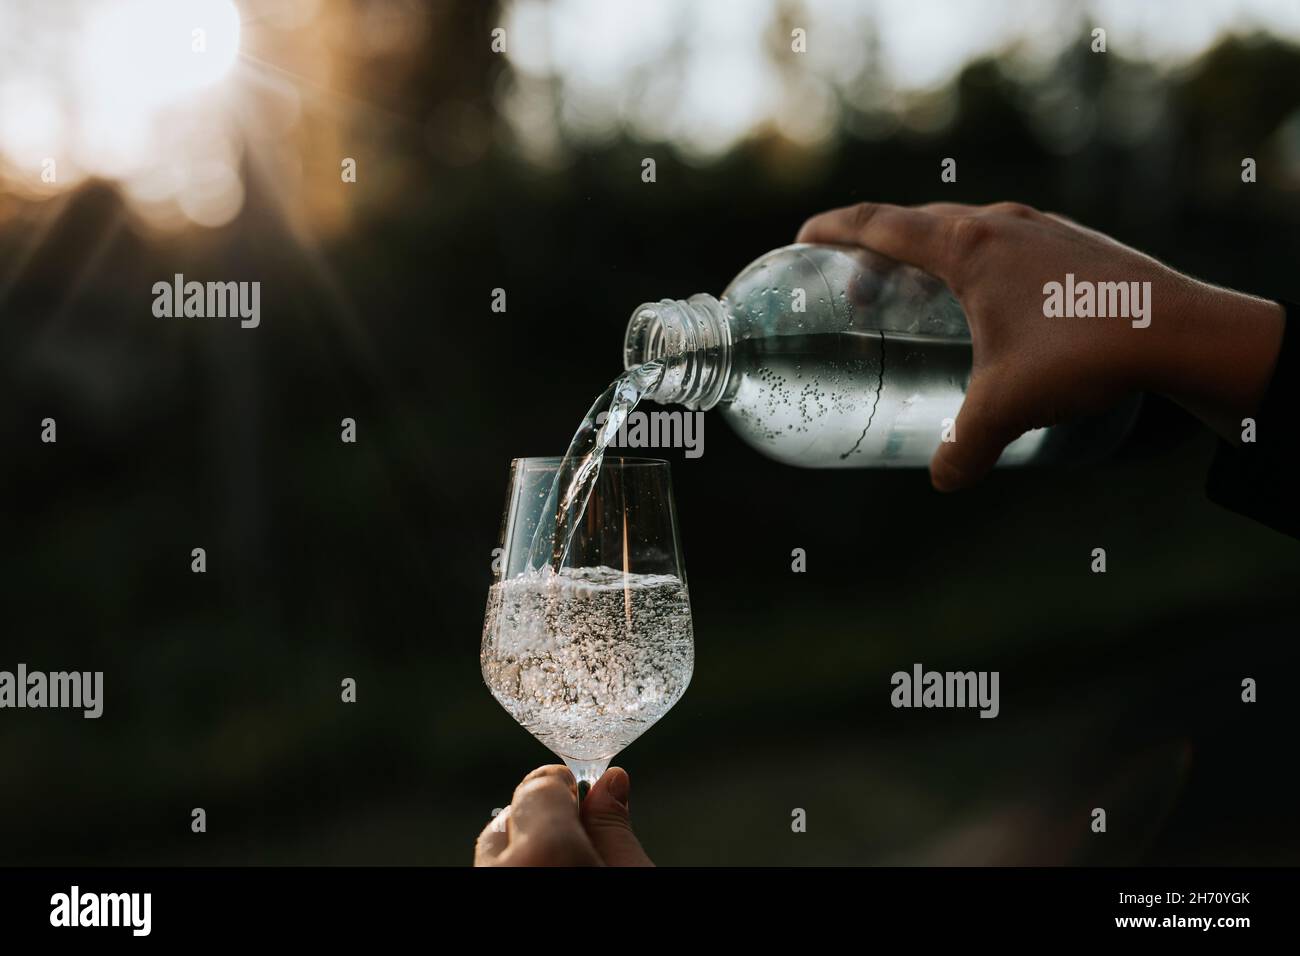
1258, 479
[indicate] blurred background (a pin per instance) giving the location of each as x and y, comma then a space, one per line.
521, 170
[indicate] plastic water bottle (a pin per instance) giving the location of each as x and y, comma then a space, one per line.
835, 357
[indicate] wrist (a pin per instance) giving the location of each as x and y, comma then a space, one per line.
1216, 353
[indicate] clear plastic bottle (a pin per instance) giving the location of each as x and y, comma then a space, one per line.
835, 357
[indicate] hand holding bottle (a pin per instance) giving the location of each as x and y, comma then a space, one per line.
1210, 349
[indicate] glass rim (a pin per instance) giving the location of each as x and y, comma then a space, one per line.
552, 462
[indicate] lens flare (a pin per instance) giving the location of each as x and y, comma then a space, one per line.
143, 54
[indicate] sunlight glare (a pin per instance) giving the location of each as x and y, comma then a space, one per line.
142, 54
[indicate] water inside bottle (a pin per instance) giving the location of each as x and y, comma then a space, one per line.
847, 398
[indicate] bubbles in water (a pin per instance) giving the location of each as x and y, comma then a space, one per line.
588, 658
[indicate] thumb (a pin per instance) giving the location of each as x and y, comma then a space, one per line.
985, 426
606, 819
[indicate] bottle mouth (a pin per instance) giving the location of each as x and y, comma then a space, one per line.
692, 338
644, 340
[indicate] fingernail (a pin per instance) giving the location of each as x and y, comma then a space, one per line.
620, 786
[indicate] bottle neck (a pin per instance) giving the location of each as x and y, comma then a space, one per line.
692, 338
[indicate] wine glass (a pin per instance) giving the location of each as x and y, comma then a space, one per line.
588, 652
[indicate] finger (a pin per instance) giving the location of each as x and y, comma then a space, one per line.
900, 232
493, 841
606, 818
545, 801
543, 826
950, 209
984, 427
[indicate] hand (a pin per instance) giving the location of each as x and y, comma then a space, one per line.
1210, 349
543, 826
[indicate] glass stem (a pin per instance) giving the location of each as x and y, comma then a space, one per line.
586, 772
